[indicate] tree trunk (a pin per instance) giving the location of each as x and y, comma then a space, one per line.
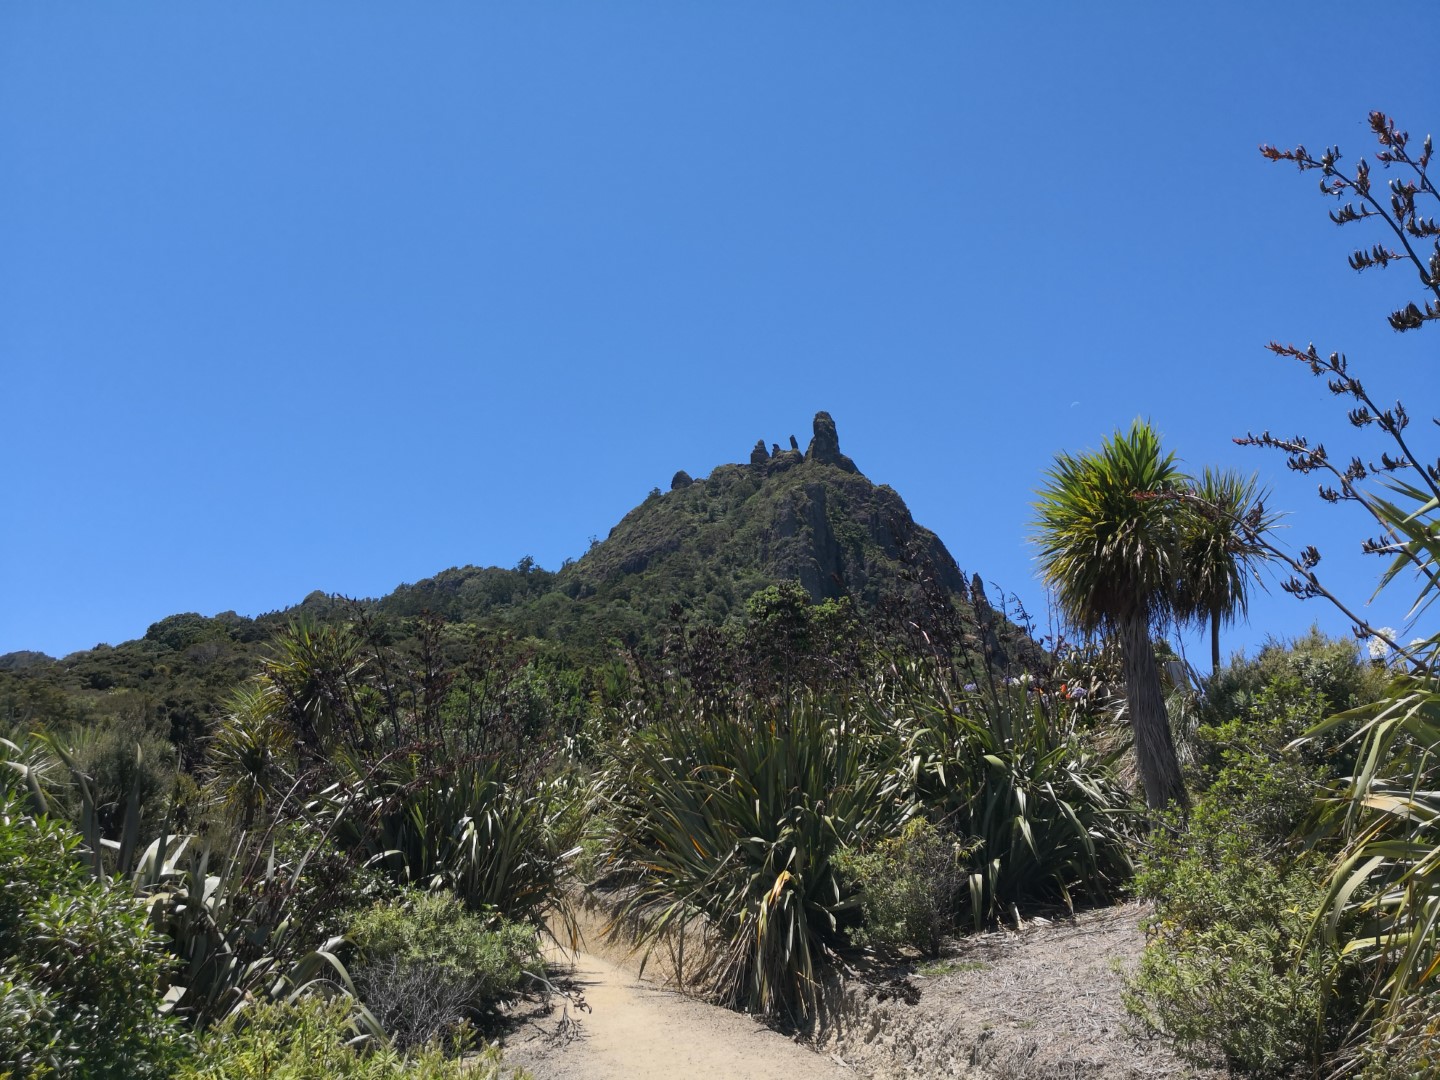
1154, 750
1214, 643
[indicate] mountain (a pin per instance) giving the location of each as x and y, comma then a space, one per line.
697, 552
705, 546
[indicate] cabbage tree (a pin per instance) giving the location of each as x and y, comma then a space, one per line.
1223, 540
1110, 547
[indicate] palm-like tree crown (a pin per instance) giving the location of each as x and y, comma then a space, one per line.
1109, 550
1219, 546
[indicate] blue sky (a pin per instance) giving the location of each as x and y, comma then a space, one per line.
337, 295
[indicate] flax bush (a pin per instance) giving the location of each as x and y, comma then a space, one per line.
1002, 765
729, 818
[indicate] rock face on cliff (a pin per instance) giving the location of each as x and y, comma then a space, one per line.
825, 446
785, 516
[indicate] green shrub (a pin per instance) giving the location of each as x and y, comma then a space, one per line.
1003, 766
728, 821
1231, 970
332, 884
480, 827
1260, 706
910, 887
315, 1039
82, 977
1235, 968
127, 757
427, 965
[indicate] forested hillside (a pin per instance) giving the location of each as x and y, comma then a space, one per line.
683, 560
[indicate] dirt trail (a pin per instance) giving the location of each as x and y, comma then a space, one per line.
637, 1031
1043, 1003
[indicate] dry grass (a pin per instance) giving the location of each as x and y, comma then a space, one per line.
1043, 1003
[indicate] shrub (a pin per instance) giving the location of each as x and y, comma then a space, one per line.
1262, 705
478, 827
82, 975
728, 822
1002, 765
1231, 969
910, 887
331, 885
426, 964
315, 1039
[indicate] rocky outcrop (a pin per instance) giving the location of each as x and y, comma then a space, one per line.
785, 459
825, 446
680, 480
824, 450
811, 518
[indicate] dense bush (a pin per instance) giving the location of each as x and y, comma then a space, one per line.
82, 975
1264, 703
486, 828
1002, 764
1234, 969
1231, 969
326, 886
910, 887
123, 755
315, 1039
426, 965
728, 823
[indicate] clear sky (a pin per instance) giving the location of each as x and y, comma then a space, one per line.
337, 295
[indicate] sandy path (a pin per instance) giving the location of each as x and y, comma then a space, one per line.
638, 1031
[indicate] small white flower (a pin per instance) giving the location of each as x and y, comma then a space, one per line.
1377, 646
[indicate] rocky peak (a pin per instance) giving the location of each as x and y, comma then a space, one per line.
825, 446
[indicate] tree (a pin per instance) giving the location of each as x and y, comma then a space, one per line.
250, 753
1220, 547
1110, 547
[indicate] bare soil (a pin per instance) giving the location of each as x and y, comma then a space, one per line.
1040, 1003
